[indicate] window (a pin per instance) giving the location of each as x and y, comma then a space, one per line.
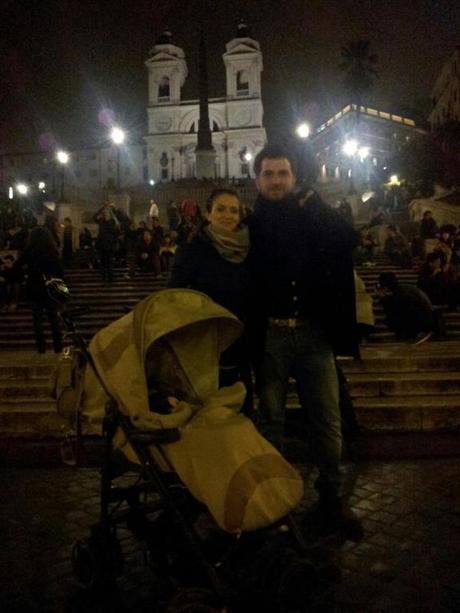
164, 174
127, 171
93, 173
242, 83
91, 156
215, 127
145, 173
245, 169
164, 90
192, 128
144, 153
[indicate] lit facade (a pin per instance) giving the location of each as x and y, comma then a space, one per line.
358, 143
167, 152
87, 169
235, 120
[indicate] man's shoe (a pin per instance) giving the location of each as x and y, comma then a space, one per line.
337, 518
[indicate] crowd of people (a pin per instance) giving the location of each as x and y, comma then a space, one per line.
35, 247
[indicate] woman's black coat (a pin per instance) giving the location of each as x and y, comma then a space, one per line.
199, 266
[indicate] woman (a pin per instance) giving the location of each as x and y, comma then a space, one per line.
215, 262
40, 262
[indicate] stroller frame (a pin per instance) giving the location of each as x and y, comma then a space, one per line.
103, 533
98, 559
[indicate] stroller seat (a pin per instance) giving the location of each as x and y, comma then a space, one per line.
170, 345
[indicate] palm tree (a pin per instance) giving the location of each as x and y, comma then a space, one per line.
358, 66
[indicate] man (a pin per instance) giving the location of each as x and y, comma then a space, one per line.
107, 238
397, 248
302, 253
408, 311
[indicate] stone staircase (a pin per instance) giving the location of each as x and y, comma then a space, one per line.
107, 302
397, 389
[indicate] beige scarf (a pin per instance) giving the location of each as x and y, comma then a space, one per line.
233, 246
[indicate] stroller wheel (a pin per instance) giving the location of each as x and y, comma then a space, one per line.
284, 580
97, 560
194, 600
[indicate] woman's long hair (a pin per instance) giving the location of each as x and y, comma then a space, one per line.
41, 244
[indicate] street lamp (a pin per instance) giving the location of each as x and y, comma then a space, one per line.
303, 130
117, 136
41, 185
350, 147
22, 189
63, 158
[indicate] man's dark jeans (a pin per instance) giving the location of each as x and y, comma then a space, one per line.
305, 354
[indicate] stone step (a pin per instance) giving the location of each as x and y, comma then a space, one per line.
409, 413
404, 384
386, 335
25, 389
14, 372
410, 364
404, 413
37, 416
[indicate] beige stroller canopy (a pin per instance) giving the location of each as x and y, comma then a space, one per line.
173, 340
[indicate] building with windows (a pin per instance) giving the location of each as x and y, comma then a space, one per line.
446, 93
235, 119
167, 152
88, 168
358, 143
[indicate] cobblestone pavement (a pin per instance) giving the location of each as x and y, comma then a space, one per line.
408, 561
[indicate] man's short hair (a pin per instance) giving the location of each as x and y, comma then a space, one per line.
274, 152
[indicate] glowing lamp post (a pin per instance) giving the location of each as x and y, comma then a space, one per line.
303, 130
117, 136
22, 189
63, 159
247, 157
350, 147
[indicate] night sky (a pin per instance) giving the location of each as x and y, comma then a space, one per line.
63, 61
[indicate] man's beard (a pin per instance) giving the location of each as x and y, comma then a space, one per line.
276, 194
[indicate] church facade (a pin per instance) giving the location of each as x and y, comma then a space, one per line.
236, 120
167, 151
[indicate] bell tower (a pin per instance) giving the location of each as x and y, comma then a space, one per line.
245, 135
243, 64
167, 71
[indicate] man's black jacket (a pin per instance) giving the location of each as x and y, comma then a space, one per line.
302, 264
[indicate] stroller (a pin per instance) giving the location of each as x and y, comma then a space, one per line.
150, 387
